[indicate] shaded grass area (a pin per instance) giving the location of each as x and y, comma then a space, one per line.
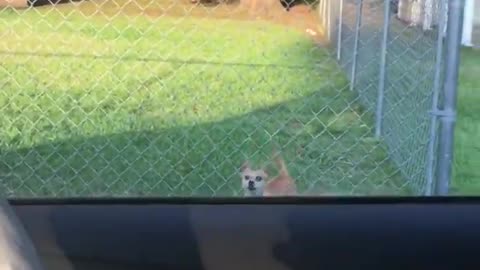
129, 106
409, 82
466, 178
412, 60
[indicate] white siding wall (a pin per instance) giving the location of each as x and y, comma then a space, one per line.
477, 12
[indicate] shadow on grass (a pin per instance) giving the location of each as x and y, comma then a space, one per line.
409, 86
326, 152
142, 138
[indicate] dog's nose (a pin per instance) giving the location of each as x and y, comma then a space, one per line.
251, 184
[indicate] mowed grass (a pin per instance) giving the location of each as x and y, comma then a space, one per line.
466, 175
129, 105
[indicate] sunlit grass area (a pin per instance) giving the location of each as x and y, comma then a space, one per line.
467, 145
114, 104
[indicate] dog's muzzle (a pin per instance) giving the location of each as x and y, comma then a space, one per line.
251, 186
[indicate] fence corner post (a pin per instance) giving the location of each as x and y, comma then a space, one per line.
432, 143
340, 29
447, 114
358, 24
383, 70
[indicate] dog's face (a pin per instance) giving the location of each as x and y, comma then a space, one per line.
253, 181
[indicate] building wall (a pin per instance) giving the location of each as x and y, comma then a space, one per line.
329, 13
477, 12
476, 24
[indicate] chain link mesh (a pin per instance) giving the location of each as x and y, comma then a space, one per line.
169, 98
411, 77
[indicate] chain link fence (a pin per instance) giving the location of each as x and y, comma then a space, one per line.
392, 52
169, 98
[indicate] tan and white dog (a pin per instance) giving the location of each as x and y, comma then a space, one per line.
255, 183
283, 184
253, 180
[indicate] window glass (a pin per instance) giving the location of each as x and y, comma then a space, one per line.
230, 98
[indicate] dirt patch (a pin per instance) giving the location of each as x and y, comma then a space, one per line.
304, 18
14, 3
300, 17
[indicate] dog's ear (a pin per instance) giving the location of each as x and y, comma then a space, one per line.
244, 166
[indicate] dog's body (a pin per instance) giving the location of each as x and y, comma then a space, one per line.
283, 184
254, 181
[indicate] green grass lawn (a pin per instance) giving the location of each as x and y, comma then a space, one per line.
129, 105
467, 145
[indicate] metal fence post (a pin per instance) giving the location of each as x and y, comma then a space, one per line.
358, 23
447, 114
339, 34
383, 72
436, 92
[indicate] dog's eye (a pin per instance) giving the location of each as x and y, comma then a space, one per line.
258, 178
247, 177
